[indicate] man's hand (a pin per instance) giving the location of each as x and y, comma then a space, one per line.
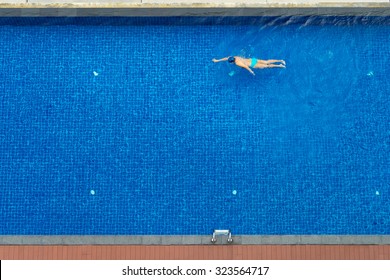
250, 70
215, 60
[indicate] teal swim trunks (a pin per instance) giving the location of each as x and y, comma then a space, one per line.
253, 62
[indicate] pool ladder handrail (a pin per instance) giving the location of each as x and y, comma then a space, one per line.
222, 232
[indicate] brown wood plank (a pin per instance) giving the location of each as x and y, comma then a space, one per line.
341, 250
362, 253
293, 252
98, 252
303, 252
328, 255
380, 253
155, 248
11, 252
47, 252
260, 252
30, 252
200, 252
207, 253
289, 252
346, 252
77, 253
139, 253
161, 252
315, 252
336, 252
270, 254
193, 252
65, 252
322, 253
60, 252
171, 254
104, 252
383, 253
242, 250
115, 252
354, 252
4, 253
178, 251
131, 252
120, 253
110, 252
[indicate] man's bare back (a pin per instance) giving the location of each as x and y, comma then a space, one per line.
248, 63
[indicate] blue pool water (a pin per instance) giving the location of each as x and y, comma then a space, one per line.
110, 127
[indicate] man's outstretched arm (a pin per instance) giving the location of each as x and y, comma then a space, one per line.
219, 60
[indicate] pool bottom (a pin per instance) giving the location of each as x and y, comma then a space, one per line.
193, 240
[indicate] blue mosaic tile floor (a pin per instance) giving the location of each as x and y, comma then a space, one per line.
131, 129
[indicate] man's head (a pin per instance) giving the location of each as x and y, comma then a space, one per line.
231, 59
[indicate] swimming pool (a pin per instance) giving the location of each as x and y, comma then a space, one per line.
118, 126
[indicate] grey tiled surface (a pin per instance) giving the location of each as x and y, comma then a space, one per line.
7, 12
194, 239
384, 10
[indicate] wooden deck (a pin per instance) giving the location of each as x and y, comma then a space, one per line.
196, 252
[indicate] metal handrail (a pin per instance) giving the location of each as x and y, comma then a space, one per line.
222, 232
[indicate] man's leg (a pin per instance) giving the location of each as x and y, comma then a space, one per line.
275, 61
275, 66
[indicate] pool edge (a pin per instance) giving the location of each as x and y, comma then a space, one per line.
204, 10
193, 240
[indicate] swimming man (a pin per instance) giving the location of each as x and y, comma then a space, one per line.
249, 63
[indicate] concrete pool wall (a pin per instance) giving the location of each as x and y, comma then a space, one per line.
150, 8
193, 240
